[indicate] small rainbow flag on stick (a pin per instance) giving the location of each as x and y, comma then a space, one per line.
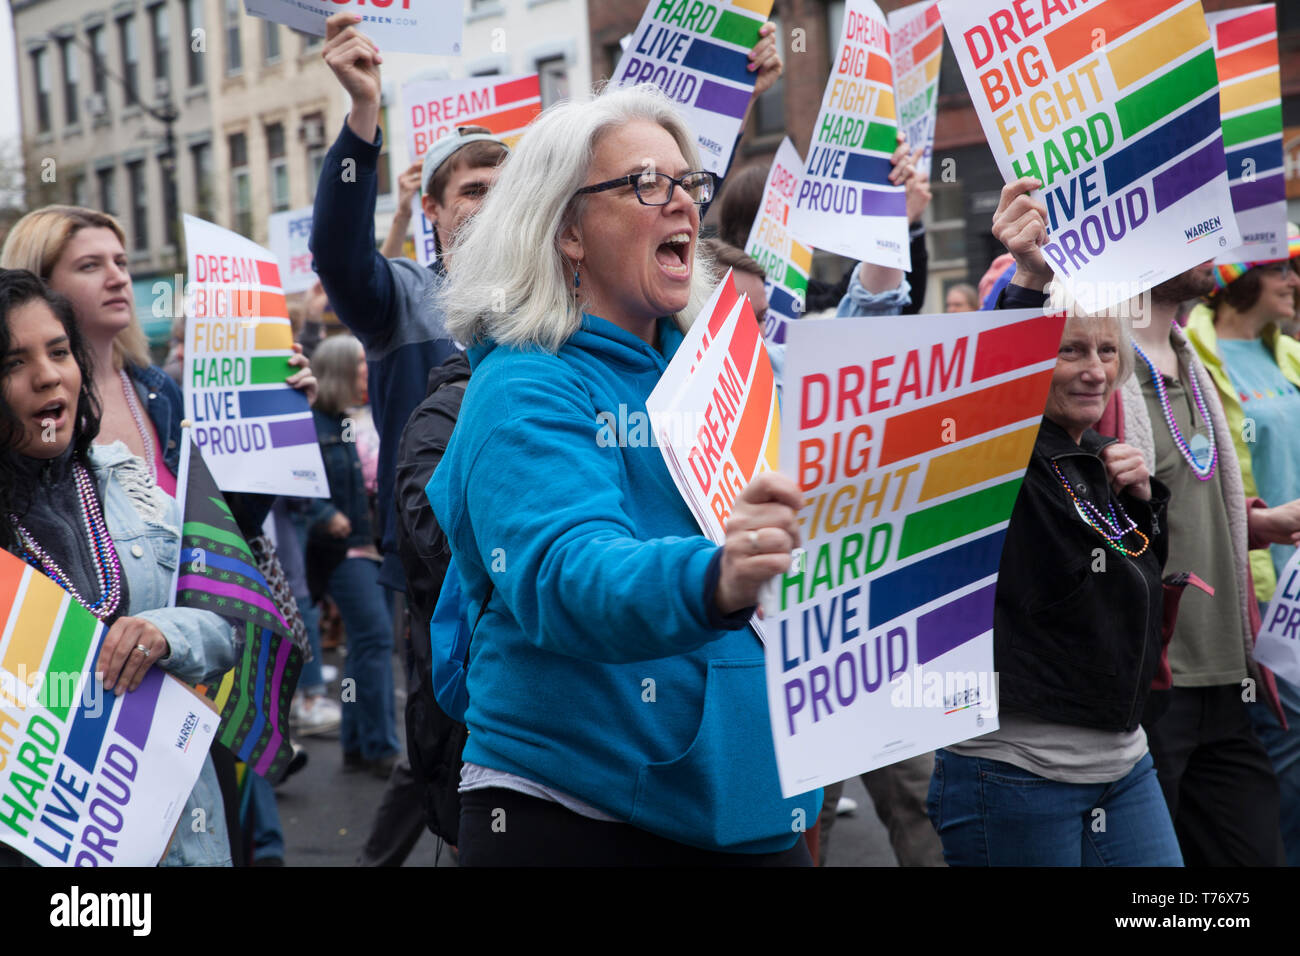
218, 573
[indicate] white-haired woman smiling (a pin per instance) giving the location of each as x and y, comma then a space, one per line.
617, 706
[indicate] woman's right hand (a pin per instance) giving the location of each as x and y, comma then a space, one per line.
762, 531
339, 526
1020, 224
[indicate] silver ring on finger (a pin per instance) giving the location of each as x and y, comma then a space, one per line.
142, 649
753, 540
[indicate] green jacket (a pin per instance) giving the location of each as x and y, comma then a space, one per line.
1286, 352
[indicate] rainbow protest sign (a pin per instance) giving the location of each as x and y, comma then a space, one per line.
288, 234
256, 433
398, 26
845, 203
503, 105
917, 37
87, 778
787, 262
1250, 101
1278, 644
1114, 106
698, 54
909, 442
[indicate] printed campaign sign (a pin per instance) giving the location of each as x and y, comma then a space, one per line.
398, 26
917, 38
1278, 644
909, 441
845, 202
87, 778
433, 108
1114, 106
786, 261
1250, 103
698, 54
255, 432
288, 234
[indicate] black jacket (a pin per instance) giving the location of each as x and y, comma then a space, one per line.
1077, 640
421, 544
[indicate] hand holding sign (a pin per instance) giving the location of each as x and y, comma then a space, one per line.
762, 531
303, 379
1280, 525
121, 661
765, 59
354, 59
1020, 224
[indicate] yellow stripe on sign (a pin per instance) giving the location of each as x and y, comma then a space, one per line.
273, 335
32, 630
512, 140
978, 463
761, 7
885, 105
801, 256
932, 66
772, 453
1164, 43
1262, 89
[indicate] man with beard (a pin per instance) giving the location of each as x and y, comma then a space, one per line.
1222, 793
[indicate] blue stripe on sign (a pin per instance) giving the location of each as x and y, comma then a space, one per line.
782, 302
90, 724
899, 591
718, 60
1162, 144
1256, 160
271, 401
867, 169
259, 715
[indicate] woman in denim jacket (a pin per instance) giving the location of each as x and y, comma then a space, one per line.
63, 488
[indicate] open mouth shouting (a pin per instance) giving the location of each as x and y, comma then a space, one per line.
673, 255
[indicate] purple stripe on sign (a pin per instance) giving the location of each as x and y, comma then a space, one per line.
277, 678
1190, 174
879, 202
726, 100
200, 583
954, 624
1261, 192
298, 431
136, 715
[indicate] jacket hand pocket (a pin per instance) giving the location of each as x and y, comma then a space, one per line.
1061, 630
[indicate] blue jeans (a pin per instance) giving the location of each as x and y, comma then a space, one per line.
369, 721
264, 825
1283, 748
311, 682
991, 813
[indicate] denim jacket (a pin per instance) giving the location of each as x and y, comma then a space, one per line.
165, 407
145, 526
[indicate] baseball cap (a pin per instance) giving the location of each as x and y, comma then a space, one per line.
447, 145
1230, 272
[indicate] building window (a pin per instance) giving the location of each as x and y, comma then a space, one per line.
310, 41
130, 58
201, 161
553, 77
41, 73
158, 30
271, 41
167, 176
279, 166
312, 133
78, 191
234, 56
194, 58
68, 60
139, 205
106, 181
98, 58
241, 195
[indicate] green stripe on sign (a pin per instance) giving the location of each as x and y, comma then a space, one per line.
737, 29
1161, 97
951, 520
270, 369
67, 660
1248, 126
795, 280
881, 137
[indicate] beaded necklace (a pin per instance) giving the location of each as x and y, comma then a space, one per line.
1203, 472
133, 403
108, 570
1096, 520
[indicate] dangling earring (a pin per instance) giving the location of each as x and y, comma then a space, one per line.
577, 279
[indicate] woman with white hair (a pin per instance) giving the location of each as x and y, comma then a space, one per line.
617, 702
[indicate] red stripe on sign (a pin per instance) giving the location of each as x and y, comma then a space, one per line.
932, 15
517, 90
268, 273
748, 444
726, 302
744, 341
1017, 345
927, 45
914, 433
1072, 42
1240, 29
507, 121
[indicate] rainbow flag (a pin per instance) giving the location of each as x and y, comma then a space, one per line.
1250, 103
787, 261
218, 573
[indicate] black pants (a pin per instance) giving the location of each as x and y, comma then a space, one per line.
533, 832
1217, 779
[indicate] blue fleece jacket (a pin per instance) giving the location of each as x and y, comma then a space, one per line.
601, 667
388, 304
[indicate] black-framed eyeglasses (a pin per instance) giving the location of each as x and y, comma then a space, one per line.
656, 189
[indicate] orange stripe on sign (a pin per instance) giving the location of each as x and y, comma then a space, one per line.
273, 335
879, 69
914, 433
1017, 345
974, 464
507, 121
516, 90
927, 45
753, 421
268, 273
1249, 60
238, 302
1072, 42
